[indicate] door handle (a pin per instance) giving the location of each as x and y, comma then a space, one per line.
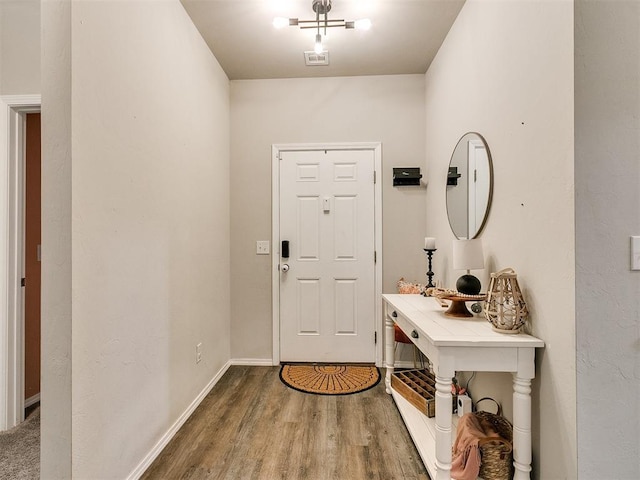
285, 267
284, 251
414, 334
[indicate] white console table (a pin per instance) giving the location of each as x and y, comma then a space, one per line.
454, 344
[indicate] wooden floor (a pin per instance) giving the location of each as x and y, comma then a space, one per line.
251, 426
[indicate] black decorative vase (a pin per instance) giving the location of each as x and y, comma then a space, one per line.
468, 284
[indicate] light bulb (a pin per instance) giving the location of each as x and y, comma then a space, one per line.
280, 22
363, 24
318, 46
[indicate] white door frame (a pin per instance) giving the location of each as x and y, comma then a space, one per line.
276, 149
12, 140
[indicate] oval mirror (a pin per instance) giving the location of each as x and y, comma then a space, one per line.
469, 186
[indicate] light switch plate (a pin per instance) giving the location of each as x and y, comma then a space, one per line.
635, 253
262, 247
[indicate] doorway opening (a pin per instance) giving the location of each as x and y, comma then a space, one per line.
14, 111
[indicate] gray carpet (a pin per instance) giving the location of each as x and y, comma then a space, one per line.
20, 450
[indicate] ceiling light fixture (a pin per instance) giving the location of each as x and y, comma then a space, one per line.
322, 9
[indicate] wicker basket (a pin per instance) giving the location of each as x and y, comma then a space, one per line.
496, 453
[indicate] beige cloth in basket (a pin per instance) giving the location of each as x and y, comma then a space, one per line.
466, 448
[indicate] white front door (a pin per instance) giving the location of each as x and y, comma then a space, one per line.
327, 295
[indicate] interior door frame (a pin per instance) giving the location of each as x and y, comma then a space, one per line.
13, 109
276, 150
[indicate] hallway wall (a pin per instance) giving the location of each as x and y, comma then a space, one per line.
146, 240
19, 47
389, 109
506, 71
607, 165
56, 322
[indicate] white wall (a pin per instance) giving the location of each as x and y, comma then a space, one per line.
506, 71
147, 176
389, 109
607, 165
19, 47
55, 427
1, 43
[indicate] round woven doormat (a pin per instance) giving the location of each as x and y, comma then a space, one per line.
329, 379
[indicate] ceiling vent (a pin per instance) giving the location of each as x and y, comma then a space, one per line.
313, 59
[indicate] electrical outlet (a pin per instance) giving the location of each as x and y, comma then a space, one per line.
262, 247
198, 352
464, 404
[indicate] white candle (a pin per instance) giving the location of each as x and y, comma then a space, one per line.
429, 243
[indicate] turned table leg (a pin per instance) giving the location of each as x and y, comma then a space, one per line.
443, 424
521, 427
389, 351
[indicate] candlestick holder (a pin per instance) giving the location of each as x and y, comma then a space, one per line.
429, 252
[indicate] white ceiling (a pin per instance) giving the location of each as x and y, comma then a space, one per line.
404, 37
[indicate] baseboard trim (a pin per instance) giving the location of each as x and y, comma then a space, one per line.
252, 362
166, 438
267, 362
31, 400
